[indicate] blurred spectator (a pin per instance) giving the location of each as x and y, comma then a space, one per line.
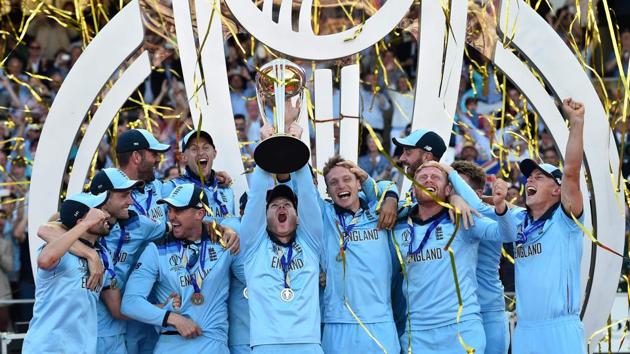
373, 162
373, 103
612, 69
240, 91
402, 102
47, 30
36, 63
6, 267
550, 155
171, 173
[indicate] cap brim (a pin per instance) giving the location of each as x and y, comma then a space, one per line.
159, 147
173, 203
528, 166
404, 142
131, 184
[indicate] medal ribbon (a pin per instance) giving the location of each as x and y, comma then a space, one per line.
215, 193
425, 239
121, 241
528, 230
285, 262
101, 252
343, 242
139, 207
190, 263
347, 229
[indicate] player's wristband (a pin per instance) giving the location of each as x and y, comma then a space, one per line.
165, 320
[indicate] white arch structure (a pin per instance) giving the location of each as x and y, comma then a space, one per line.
435, 97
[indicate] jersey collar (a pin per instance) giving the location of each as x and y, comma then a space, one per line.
209, 181
547, 215
275, 240
417, 220
363, 205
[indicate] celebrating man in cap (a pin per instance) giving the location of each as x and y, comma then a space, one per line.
431, 288
548, 250
64, 314
198, 153
138, 153
281, 235
190, 264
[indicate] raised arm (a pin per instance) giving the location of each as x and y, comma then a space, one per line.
505, 228
254, 217
56, 248
52, 231
309, 212
570, 193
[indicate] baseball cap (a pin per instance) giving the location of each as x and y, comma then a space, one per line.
424, 139
139, 139
528, 166
77, 205
112, 179
183, 145
282, 191
185, 196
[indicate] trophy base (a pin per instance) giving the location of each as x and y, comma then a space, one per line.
281, 154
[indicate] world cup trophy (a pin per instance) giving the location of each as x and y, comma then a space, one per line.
280, 84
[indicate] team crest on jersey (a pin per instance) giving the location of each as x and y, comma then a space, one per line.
212, 254
439, 234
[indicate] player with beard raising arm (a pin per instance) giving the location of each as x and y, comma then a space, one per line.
433, 325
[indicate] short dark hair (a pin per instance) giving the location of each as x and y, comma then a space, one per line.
331, 163
124, 158
239, 116
474, 172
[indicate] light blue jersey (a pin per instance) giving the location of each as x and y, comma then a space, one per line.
364, 286
547, 258
220, 199
145, 201
430, 286
64, 315
140, 338
547, 265
238, 307
124, 244
490, 291
167, 267
274, 320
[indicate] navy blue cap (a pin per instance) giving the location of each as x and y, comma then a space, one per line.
112, 179
282, 191
77, 205
185, 196
424, 139
528, 166
139, 139
183, 145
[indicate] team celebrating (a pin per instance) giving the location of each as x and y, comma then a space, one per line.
137, 265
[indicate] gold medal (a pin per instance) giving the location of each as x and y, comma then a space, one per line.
113, 283
197, 299
246, 293
287, 295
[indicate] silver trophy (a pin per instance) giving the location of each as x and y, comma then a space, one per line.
280, 85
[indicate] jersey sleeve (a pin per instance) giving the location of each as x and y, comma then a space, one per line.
465, 191
309, 211
504, 229
238, 268
254, 220
134, 303
155, 230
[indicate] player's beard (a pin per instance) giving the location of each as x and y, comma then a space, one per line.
145, 172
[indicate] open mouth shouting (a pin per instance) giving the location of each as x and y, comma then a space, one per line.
202, 163
282, 217
343, 195
530, 190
